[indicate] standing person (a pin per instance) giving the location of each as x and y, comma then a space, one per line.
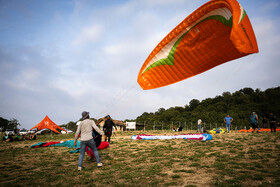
257, 119
199, 123
180, 128
254, 121
85, 129
228, 121
272, 122
265, 122
108, 128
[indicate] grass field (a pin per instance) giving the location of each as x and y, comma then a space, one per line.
229, 159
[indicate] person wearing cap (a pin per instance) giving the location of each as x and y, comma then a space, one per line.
85, 128
228, 121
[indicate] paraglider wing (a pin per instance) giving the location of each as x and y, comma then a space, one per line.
217, 32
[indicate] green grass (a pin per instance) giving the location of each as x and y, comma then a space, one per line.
237, 159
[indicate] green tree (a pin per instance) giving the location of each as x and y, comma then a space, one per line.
193, 104
4, 123
239, 105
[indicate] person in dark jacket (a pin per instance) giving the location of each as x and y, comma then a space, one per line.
272, 122
265, 122
108, 128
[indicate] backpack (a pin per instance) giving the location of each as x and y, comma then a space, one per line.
252, 119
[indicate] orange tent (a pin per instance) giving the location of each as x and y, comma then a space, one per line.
46, 123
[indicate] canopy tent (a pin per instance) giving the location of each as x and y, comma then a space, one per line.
47, 123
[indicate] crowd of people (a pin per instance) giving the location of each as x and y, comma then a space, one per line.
269, 120
18, 137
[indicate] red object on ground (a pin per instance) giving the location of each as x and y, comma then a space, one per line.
38, 146
103, 145
139, 136
50, 143
46, 144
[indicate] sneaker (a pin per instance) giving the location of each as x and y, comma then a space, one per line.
99, 164
79, 168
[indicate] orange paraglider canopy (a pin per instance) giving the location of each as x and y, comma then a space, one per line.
47, 123
217, 32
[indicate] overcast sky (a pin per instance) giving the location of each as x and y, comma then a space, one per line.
59, 58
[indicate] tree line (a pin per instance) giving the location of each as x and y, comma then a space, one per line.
238, 105
11, 124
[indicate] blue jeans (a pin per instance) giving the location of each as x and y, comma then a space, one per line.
199, 128
92, 146
227, 127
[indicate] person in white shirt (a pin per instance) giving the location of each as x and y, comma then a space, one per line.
85, 129
199, 123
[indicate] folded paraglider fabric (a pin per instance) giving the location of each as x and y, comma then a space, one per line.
70, 144
202, 137
218, 131
260, 130
44, 144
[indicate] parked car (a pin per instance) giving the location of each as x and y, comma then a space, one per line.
67, 131
23, 132
10, 132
